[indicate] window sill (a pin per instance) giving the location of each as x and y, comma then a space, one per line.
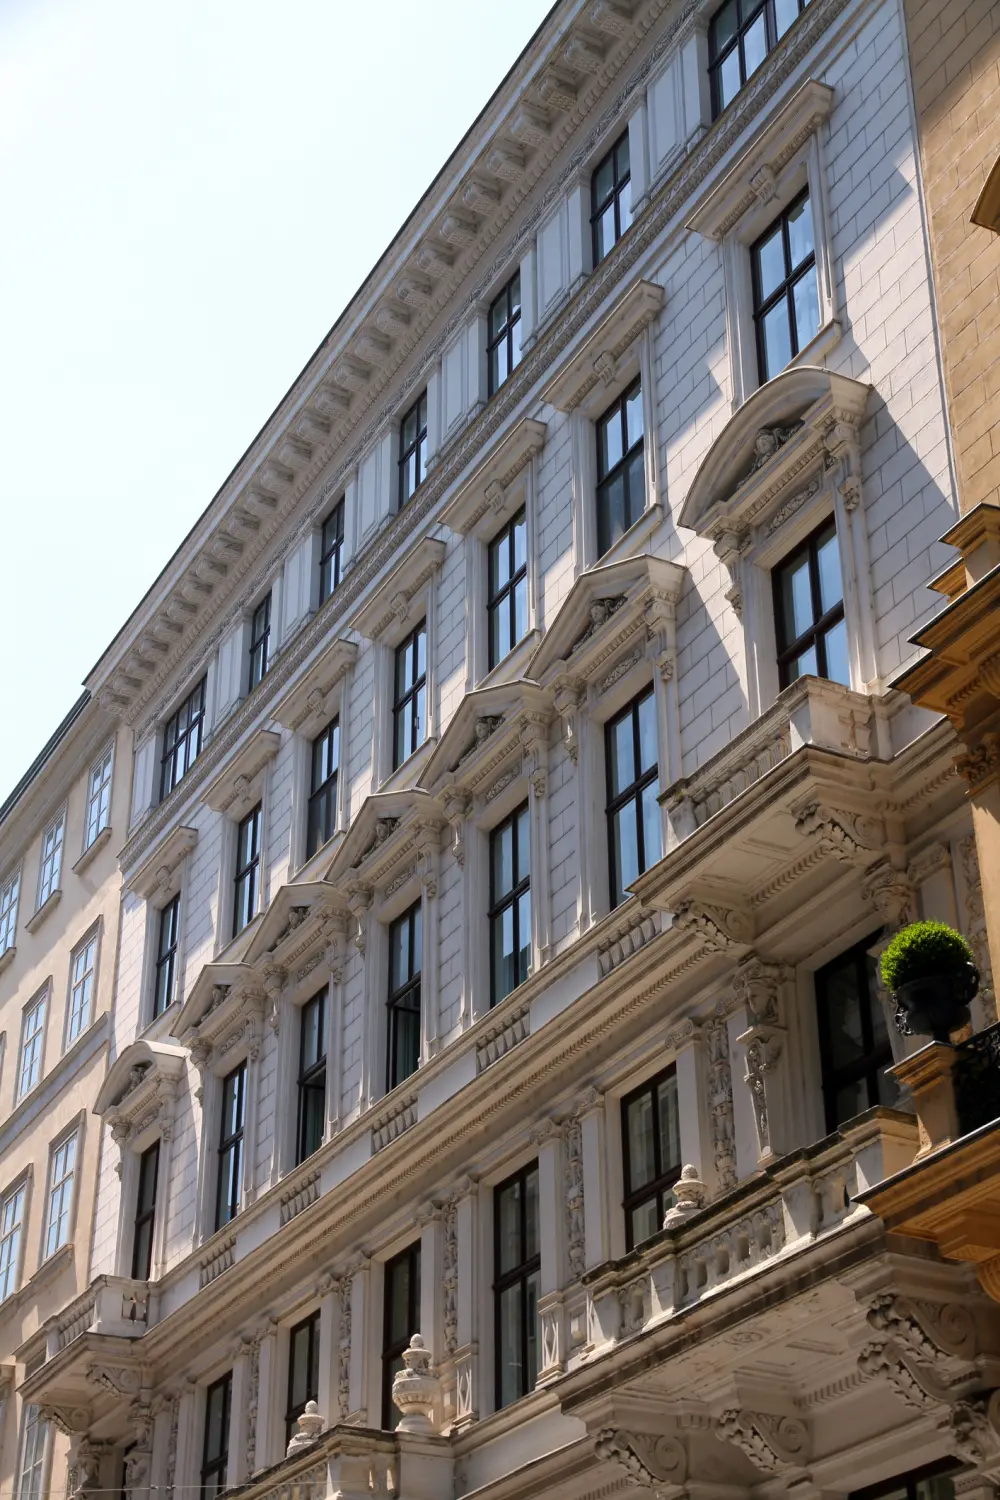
635, 539
92, 850
33, 923
818, 348
56, 1262
405, 775
7, 957
513, 664
160, 1025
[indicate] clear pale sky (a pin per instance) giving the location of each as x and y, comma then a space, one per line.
190, 194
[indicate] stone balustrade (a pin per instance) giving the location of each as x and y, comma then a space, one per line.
114, 1305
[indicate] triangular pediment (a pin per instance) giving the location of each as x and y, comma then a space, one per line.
291, 921
489, 723
384, 830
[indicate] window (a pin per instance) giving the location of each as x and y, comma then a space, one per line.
227, 1203
29, 1068
182, 739
507, 588
809, 611
517, 1265
312, 1076
215, 1447
8, 911
322, 814
634, 841
504, 343
621, 468
145, 1213
11, 1224
303, 1371
853, 1037
651, 1150
400, 1321
935, 1482
166, 956
741, 35
405, 943
81, 991
260, 639
413, 449
785, 289
409, 708
247, 878
611, 199
31, 1469
99, 796
60, 1206
331, 551
510, 904
51, 863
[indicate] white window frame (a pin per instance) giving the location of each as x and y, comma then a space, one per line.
15, 1262
31, 1469
99, 795
66, 1188
10, 894
90, 940
37, 1005
51, 855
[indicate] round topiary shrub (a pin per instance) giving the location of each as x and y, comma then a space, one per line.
922, 951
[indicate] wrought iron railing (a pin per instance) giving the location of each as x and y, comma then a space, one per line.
977, 1079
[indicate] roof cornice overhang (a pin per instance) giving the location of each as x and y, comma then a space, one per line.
790, 426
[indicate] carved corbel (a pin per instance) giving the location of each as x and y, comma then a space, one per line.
274, 977
457, 806
359, 899
718, 929
890, 892
848, 837
773, 1444
757, 989
649, 1460
569, 693
534, 737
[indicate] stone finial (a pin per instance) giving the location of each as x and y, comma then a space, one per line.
416, 1389
310, 1425
690, 1193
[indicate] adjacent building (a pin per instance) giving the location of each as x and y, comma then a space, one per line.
520, 800
60, 901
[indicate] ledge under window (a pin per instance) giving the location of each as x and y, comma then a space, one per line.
34, 922
7, 957
93, 849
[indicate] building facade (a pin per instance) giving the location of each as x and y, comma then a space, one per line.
60, 901
519, 801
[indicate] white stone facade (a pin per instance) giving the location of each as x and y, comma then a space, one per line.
767, 1341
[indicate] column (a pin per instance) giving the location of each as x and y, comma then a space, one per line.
551, 1360
139, 1462
535, 740
693, 1102
328, 1399
334, 959
356, 1287
697, 104
529, 298
183, 1473
263, 1392
466, 1350
164, 1440
428, 861
431, 1221
240, 1428
578, 231
757, 1019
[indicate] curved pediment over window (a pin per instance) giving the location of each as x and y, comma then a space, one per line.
792, 423
140, 1083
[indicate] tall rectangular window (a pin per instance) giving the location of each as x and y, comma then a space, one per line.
9, 893
517, 1274
29, 1064
83, 966
621, 468
145, 1213
215, 1444
325, 766
740, 36
331, 551
611, 198
183, 734
633, 812
507, 593
405, 957
935, 1482
227, 1201
400, 1321
260, 642
166, 956
510, 904
409, 705
854, 1045
785, 290
809, 611
50, 868
247, 878
312, 1076
413, 449
651, 1149
99, 796
503, 347
31, 1469
303, 1370
62, 1171
11, 1224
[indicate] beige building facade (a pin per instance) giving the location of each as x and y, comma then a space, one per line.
59, 922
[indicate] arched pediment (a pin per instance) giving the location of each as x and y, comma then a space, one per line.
142, 1066
788, 425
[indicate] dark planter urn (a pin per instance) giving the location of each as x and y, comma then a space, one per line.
936, 1004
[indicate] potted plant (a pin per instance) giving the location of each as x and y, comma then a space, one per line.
929, 968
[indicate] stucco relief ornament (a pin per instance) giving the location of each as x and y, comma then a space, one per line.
648, 1460
600, 613
766, 444
771, 1443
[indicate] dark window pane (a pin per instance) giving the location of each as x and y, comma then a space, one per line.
754, 45
800, 233
777, 340
771, 262
805, 296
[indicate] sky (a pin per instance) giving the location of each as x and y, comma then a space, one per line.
190, 193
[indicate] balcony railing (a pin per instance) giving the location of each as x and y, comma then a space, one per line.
977, 1079
114, 1305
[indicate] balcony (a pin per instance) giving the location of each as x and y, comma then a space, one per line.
113, 1305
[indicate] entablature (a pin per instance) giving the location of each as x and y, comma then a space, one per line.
159, 872
226, 1005
600, 366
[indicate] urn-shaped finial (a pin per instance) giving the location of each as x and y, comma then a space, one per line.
416, 1389
310, 1425
689, 1197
